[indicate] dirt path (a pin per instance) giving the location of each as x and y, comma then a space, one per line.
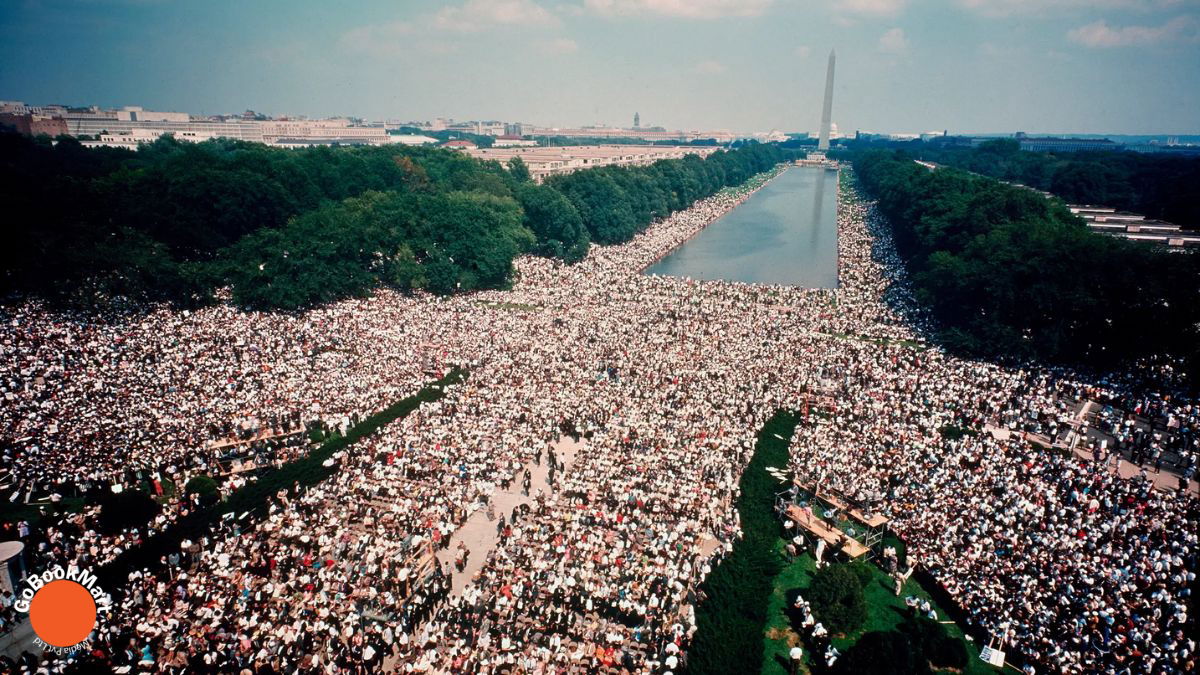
479, 533
1074, 442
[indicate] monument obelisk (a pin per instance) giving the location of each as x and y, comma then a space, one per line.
827, 109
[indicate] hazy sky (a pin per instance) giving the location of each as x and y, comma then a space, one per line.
1117, 66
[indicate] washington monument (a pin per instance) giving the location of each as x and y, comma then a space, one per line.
827, 109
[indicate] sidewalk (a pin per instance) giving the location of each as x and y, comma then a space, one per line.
479, 533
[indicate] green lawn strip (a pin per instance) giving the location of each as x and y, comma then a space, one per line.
911, 344
253, 498
731, 619
886, 612
15, 512
513, 306
742, 625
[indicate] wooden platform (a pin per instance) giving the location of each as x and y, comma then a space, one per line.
831, 535
268, 435
856, 514
875, 521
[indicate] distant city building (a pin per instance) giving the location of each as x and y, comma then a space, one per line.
517, 129
771, 136
1055, 144
32, 124
133, 113
548, 161
316, 142
485, 128
14, 107
1133, 226
644, 133
411, 139
510, 141
19, 108
1065, 144
131, 140
130, 126
325, 131
459, 144
94, 122
1152, 147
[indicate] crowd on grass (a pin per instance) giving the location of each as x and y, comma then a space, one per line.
1077, 568
665, 380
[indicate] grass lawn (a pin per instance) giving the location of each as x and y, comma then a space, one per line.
885, 612
911, 344
511, 306
168, 491
13, 513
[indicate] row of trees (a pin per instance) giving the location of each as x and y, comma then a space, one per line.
1157, 185
285, 229
1008, 272
616, 203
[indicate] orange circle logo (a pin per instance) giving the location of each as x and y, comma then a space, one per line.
62, 613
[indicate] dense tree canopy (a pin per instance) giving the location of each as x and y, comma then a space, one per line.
918, 645
554, 221
837, 598
618, 202
127, 509
1157, 185
1008, 272
286, 229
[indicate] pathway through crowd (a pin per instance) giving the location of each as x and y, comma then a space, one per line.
479, 534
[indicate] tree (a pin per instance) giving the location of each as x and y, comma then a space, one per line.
917, 646
518, 170
204, 486
603, 205
124, 510
836, 594
479, 234
555, 223
1008, 273
291, 229
318, 257
933, 645
882, 653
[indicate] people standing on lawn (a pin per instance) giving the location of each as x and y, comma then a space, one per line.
667, 381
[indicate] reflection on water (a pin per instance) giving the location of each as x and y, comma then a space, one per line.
786, 233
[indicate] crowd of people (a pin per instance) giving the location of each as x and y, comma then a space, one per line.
1074, 567
665, 380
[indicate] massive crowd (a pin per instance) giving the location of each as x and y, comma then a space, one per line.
666, 380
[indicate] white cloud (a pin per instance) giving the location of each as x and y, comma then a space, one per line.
476, 15
869, 7
401, 37
382, 39
1002, 8
893, 42
992, 50
557, 46
1100, 34
688, 9
803, 51
711, 67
